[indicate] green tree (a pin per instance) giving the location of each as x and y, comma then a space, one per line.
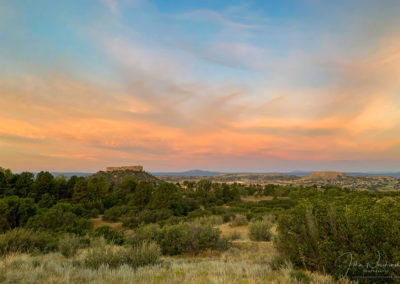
44, 183
127, 185
23, 184
142, 195
62, 189
80, 190
167, 196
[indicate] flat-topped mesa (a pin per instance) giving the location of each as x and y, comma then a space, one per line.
126, 168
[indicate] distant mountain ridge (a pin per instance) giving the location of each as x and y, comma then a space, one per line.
206, 173
198, 173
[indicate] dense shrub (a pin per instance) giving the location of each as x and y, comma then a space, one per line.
260, 231
239, 220
68, 245
62, 217
15, 212
110, 235
144, 233
146, 253
26, 241
112, 257
115, 213
189, 238
326, 233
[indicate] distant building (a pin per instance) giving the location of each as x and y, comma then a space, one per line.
126, 168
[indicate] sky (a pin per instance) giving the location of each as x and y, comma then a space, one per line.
219, 85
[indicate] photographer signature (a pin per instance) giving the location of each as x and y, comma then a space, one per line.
368, 267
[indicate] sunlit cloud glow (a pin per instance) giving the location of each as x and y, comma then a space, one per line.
231, 87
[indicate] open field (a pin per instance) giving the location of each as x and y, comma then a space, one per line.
244, 262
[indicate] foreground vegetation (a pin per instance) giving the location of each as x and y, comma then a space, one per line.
142, 230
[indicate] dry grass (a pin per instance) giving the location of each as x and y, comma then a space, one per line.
227, 230
260, 198
252, 198
97, 222
227, 268
245, 262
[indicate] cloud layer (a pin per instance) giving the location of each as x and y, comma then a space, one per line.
245, 94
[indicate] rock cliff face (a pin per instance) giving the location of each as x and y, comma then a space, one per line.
129, 168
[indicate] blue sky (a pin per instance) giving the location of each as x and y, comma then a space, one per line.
224, 85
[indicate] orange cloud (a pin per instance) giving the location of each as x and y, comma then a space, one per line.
66, 124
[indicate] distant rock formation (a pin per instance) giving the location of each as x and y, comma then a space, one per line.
126, 168
324, 175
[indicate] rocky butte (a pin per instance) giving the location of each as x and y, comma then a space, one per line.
125, 168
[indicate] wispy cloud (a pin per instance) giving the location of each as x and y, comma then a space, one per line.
228, 102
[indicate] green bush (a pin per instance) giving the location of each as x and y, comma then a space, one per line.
115, 213
144, 233
21, 240
113, 257
189, 238
222, 244
68, 245
62, 217
146, 253
325, 232
260, 231
110, 235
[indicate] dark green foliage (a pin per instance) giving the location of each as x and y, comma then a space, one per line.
62, 217
80, 187
23, 185
62, 188
110, 235
142, 195
91, 192
189, 238
3, 182
15, 212
167, 196
181, 238
154, 216
328, 228
46, 201
44, 183
116, 177
127, 185
115, 213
